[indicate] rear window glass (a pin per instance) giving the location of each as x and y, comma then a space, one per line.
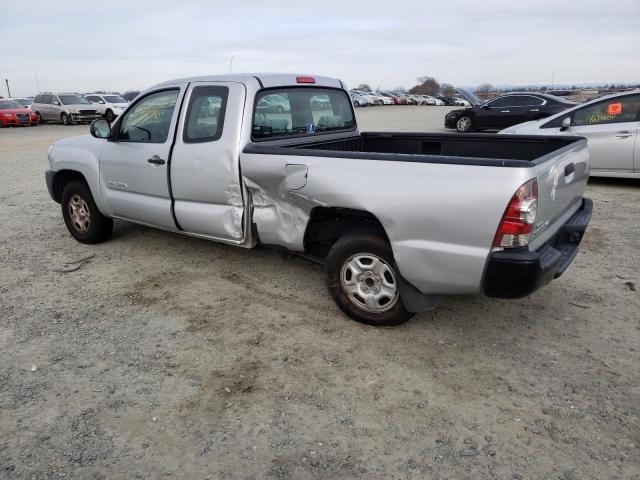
300, 112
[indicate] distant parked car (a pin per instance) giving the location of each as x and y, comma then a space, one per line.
24, 101
386, 100
358, 99
372, 98
129, 96
66, 108
611, 125
13, 114
108, 105
503, 111
397, 99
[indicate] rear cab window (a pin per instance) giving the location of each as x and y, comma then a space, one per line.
300, 112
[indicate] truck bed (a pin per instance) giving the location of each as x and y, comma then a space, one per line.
472, 149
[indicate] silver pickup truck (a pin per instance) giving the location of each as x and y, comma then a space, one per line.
277, 160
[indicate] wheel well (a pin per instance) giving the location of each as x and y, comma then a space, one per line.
326, 225
62, 179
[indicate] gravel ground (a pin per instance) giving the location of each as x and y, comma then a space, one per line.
171, 357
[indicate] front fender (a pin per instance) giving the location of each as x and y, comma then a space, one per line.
81, 155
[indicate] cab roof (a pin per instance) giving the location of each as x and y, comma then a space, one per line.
262, 80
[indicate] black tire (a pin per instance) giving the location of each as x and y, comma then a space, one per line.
94, 227
350, 246
109, 116
464, 124
64, 118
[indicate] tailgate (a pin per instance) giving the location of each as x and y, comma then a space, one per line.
562, 176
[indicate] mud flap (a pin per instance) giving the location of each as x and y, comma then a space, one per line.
413, 299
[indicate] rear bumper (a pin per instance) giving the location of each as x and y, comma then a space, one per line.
515, 274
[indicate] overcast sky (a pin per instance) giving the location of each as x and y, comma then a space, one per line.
84, 46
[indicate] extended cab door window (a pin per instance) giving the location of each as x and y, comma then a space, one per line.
148, 121
205, 114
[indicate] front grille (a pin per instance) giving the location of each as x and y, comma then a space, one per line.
87, 112
22, 117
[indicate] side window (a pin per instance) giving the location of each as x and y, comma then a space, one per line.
500, 102
148, 121
614, 110
52, 99
527, 101
205, 114
38, 99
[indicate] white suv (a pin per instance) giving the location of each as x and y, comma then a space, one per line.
108, 105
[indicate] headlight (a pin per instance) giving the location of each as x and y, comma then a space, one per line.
73, 110
7, 114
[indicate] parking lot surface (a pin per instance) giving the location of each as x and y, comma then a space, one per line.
164, 356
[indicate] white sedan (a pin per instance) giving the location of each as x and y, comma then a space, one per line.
611, 125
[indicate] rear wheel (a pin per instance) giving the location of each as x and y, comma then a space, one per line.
81, 215
362, 279
464, 124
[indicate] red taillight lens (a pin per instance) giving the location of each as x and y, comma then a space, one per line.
305, 80
517, 222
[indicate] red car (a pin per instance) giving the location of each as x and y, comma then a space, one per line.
14, 114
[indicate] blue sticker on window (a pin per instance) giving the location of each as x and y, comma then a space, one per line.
311, 128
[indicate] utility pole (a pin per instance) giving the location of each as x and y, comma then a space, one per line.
37, 84
230, 63
8, 90
553, 79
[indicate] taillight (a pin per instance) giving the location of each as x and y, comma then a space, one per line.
305, 80
517, 222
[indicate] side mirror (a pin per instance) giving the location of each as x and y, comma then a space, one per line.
100, 129
566, 123
55, 102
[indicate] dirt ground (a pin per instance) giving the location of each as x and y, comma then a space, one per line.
171, 357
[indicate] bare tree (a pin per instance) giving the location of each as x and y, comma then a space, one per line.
448, 89
484, 88
364, 87
427, 86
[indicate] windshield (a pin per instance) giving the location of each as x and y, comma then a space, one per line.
114, 99
7, 104
23, 101
301, 111
73, 100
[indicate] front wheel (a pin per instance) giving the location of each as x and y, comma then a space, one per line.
464, 124
81, 215
64, 118
109, 116
362, 279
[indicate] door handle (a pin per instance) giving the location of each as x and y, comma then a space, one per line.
623, 134
534, 110
156, 160
504, 111
569, 169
